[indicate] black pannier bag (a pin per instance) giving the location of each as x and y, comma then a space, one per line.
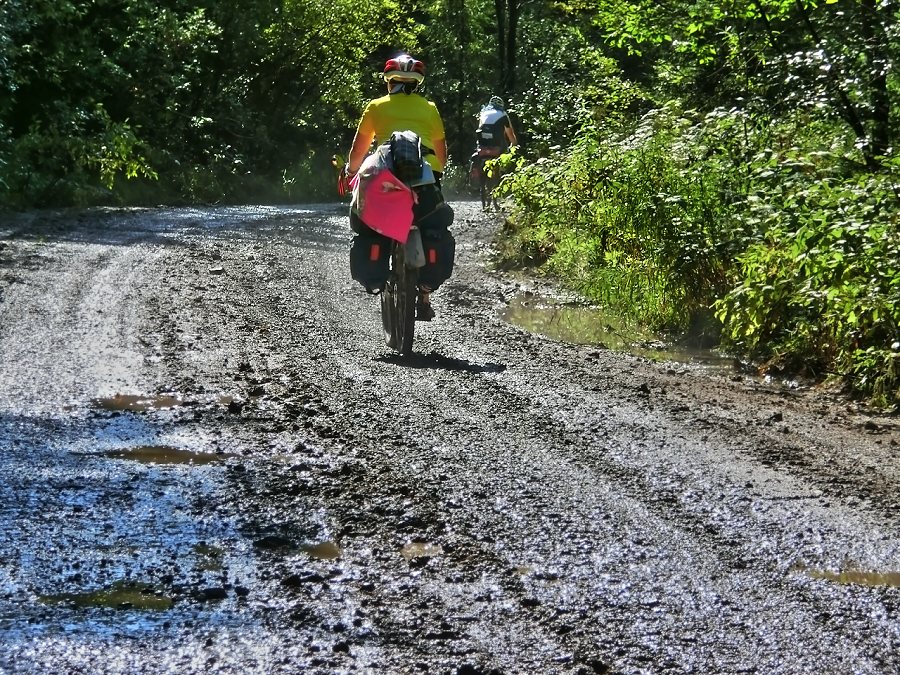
406, 155
430, 211
370, 255
440, 251
433, 216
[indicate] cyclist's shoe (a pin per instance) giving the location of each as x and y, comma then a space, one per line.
424, 311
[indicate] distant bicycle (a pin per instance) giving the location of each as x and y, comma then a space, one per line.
485, 180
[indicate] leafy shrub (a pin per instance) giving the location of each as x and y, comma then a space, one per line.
820, 292
773, 228
642, 221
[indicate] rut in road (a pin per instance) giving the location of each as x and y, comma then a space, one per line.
550, 471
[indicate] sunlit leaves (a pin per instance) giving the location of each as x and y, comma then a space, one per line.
185, 87
822, 289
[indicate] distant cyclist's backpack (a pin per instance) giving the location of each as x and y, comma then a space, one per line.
406, 154
491, 125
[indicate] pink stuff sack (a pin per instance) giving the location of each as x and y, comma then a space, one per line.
387, 205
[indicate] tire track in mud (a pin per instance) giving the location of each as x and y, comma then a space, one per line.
326, 435
635, 484
699, 532
722, 535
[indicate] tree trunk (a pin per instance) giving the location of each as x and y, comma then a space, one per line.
500, 11
509, 84
847, 109
879, 61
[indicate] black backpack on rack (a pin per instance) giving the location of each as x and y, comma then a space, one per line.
406, 155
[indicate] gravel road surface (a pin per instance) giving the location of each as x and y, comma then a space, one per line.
210, 462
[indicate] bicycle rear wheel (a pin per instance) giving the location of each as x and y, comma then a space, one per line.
483, 190
398, 303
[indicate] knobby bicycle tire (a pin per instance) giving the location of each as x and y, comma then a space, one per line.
398, 303
487, 185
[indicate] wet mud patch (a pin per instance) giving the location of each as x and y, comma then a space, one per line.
421, 549
581, 323
165, 454
136, 402
857, 577
326, 550
120, 595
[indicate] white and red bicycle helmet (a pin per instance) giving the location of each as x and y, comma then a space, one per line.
404, 68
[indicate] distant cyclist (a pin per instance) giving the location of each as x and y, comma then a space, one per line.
493, 137
495, 130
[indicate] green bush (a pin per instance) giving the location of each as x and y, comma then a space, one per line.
820, 292
773, 231
641, 222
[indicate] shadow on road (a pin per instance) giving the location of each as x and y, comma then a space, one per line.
440, 362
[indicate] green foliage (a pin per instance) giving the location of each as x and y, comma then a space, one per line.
769, 195
55, 160
675, 158
462, 71
820, 292
772, 226
637, 220
571, 78
115, 152
211, 100
836, 55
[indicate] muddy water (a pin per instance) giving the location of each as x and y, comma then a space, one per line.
580, 323
164, 454
120, 595
855, 576
112, 528
136, 402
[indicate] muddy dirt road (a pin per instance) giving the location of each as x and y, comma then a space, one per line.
210, 463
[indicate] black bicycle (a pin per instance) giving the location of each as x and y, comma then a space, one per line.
398, 299
486, 180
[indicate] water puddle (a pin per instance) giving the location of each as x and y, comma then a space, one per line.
121, 595
856, 577
210, 558
579, 323
327, 550
164, 454
419, 549
136, 403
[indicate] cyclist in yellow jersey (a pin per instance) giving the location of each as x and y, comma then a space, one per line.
399, 110
403, 109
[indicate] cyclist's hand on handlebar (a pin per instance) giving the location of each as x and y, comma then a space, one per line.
344, 187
